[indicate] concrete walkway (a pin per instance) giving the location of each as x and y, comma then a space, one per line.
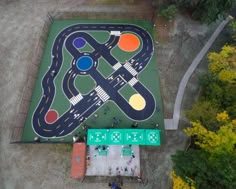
172, 124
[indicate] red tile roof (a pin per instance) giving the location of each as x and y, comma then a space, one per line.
78, 166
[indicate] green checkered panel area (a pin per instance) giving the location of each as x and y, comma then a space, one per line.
116, 136
97, 136
134, 136
150, 137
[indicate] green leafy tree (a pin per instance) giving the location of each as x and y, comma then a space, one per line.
168, 12
220, 94
205, 112
207, 171
206, 10
233, 26
211, 88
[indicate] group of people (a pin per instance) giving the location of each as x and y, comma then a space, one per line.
103, 147
114, 185
78, 137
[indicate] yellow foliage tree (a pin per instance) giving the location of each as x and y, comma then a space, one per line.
222, 117
219, 142
223, 64
179, 183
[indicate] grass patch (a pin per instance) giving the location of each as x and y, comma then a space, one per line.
84, 84
127, 91
86, 48
104, 68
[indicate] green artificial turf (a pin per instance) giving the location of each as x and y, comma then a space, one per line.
103, 117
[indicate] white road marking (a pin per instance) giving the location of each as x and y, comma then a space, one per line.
76, 99
117, 66
116, 84
130, 69
70, 124
133, 81
102, 94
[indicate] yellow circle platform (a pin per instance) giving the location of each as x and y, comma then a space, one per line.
137, 102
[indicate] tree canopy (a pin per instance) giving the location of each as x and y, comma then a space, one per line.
219, 142
205, 112
207, 171
206, 10
210, 162
223, 64
179, 183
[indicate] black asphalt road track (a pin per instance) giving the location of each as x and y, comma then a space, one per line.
90, 102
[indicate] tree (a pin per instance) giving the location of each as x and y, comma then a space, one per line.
211, 88
205, 112
233, 26
206, 172
223, 64
179, 183
222, 117
206, 10
222, 141
220, 95
168, 12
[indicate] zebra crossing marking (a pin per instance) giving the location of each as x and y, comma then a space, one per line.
133, 81
117, 66
75, 99
130, 69
102, 94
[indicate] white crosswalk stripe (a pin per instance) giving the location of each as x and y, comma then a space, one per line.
130, 69
117, 66
102, 94
75, 99
133, 81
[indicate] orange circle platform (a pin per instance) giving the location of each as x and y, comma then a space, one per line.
128, 42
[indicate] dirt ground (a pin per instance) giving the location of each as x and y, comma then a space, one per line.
27, 166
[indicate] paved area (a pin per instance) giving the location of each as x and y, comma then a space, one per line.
113, 163
28, 166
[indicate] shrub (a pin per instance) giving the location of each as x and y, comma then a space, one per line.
168, 12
